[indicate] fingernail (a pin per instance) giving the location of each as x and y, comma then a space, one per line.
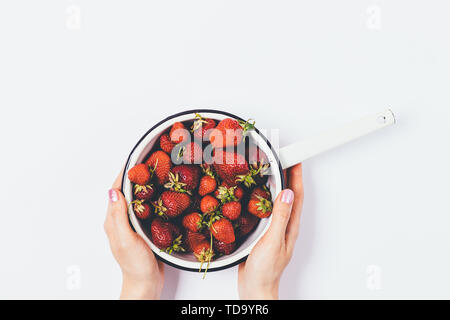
113, 197
287, 196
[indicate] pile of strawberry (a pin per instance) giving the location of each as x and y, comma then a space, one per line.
203, 206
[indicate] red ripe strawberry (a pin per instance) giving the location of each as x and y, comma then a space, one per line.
231, 210
192, 153
200, 246
141, 209
223, 230
178, 133
229, 166
229, 132
193, 238
239, 192
165, 143
260, 192
202, 128
207, 185
226, 193
143, 192
166, 236
139, 174
160, 163
193, 221
224, 248
246, 223
172, 204
208, 204
188, 175
260, 207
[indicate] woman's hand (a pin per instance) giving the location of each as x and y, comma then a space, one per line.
143, 275
259, 276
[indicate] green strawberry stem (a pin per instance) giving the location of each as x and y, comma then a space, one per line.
160, 209
209, 255
176, 246
139, 188
247, 125
175, 185
137, 205
207, 171
264, 205
198, 122
226, 194
248, 180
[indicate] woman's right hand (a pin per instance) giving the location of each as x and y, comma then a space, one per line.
259, 276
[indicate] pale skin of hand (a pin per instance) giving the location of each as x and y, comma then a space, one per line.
259, 277
143, 274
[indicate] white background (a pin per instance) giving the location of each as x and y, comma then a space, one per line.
76, 94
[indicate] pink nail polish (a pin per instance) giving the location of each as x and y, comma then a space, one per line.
287, 196
113, 197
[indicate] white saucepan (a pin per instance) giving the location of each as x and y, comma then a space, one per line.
279, 160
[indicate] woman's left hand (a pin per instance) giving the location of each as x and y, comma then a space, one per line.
143, 275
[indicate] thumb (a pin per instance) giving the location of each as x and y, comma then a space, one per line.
117, 215
281, 213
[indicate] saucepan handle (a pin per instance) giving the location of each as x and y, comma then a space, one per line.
302, 150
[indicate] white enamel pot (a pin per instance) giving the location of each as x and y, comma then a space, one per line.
279, 160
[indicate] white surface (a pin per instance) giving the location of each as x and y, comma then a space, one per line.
75, 100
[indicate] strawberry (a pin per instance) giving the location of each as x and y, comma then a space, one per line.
229, 132
260, 192
139, 174
224, 248
223, 230
166, 144
207, 185
143, 192
166, 236
193, 238
245, 224
260, 207
230, 166
192, 153
161, 164
193, 221
178, 133
171, 204
225, 193
202, 127
201, 247
208, 204
141, 209
231, 210
239, 193
188, 175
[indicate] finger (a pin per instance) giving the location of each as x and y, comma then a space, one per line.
116, 223
296, 184
280, 214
